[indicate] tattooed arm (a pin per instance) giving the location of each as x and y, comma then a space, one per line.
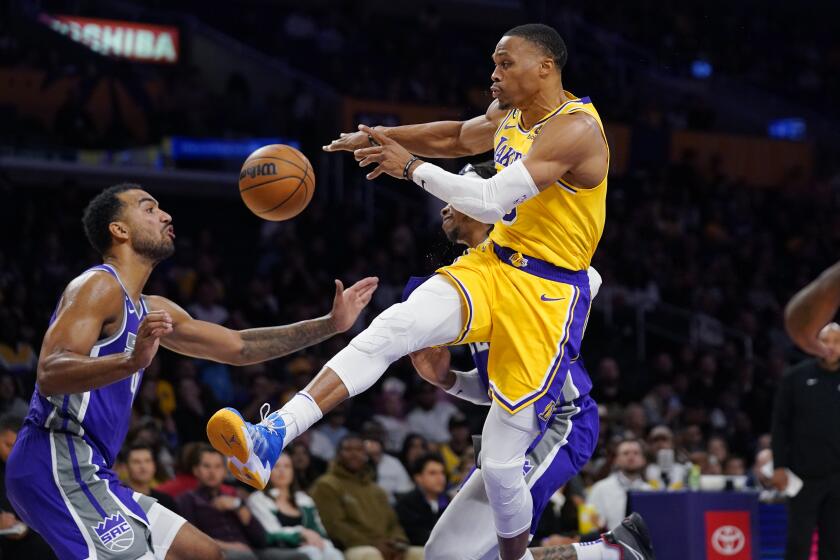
811, 309
562, 552
209, 341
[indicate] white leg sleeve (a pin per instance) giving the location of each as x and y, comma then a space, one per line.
504, 441
465, 530
431, 316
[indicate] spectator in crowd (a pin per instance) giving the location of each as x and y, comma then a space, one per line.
195, 406
413, 448
307, 467
16, 355
21, 542
734, 466
288, 515
419, 510
207, 307
333, 430
140, 468
634, 421
718, 449
452, 451
430, 417
184, 480
664, 469
806, 441
390, 474
356, 512
609, 496
10, 402
392, 414
223, 515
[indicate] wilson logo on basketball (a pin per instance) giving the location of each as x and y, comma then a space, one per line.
259, 170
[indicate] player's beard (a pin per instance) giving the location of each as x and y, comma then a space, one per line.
154, 249
453, 234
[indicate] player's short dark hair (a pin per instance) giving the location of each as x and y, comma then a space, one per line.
100, 212
546, 37
420, 463
10, 422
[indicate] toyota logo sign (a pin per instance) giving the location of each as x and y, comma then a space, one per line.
728, 540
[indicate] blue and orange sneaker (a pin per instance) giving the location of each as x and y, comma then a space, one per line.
251, 449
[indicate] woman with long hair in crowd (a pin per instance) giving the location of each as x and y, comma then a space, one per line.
288, 515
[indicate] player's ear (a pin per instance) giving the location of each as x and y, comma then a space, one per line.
546, 67
119, 230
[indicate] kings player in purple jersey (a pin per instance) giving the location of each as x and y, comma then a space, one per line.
102, 335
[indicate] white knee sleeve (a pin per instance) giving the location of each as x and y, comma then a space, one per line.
508, 496
431, 316
370, 353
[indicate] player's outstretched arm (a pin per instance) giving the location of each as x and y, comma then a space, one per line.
210, 341
811, 309
91, 303
441, 139
566, 143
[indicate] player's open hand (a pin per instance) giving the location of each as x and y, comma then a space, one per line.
349, 303
433, 365
348, 142
153, 326
391, 157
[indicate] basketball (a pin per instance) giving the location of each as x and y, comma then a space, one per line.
276, 182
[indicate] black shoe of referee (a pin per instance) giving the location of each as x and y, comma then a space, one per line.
632, 538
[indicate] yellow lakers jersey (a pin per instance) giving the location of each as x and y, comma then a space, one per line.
563, 224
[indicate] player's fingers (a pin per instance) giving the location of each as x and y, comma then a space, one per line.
366, 282
378, 136
375, 173
157, 320
371, 159
339, 288
364, 152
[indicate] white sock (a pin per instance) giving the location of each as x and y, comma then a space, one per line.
596, 550
527, 555
299, 414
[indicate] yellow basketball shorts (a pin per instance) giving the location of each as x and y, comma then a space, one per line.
532, 313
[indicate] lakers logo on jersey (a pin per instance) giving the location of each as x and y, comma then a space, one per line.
518, 260
563, 224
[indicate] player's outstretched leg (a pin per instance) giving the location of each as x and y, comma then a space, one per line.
630, 540
431, 316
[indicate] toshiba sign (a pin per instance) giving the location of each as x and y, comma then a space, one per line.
126, 39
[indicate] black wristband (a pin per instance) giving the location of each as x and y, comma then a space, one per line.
407, 165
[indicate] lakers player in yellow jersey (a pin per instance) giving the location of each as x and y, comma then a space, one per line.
525, 290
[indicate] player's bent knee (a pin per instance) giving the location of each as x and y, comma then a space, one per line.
508, 495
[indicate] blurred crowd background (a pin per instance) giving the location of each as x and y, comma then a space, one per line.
685, 343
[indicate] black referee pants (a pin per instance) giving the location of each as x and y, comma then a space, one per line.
816, 506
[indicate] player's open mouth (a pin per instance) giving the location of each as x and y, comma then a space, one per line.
495, 91
171, 232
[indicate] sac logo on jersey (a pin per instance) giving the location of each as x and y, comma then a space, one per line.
115, 533
505, 155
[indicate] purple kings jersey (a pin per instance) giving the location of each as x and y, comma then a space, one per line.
100, 416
